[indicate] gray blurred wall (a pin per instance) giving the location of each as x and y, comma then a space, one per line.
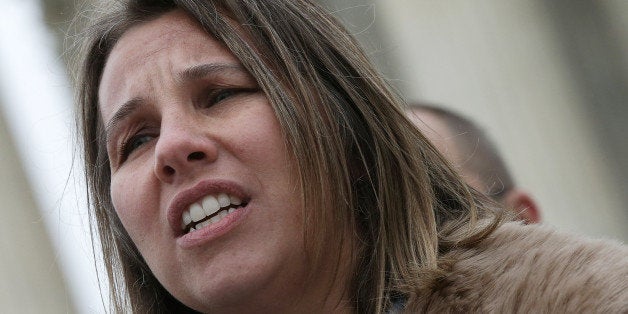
546, 79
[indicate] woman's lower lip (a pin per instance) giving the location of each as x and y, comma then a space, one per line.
213, 231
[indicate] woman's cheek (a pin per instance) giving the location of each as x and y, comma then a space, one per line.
136, 202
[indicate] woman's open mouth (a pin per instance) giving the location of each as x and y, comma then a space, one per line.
209, 210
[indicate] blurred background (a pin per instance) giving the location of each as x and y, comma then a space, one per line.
547, 79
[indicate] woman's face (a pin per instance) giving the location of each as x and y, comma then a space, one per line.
200, 175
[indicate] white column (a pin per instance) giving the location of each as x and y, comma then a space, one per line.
37, 107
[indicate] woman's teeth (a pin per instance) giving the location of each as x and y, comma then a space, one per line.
211, 209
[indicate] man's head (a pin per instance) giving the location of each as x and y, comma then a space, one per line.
474, 155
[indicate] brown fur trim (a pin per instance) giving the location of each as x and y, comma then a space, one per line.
532, 269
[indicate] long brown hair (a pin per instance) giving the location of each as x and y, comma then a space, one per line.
363, 167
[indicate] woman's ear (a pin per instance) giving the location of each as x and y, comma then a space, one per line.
523, 204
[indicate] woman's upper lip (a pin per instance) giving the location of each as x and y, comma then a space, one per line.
185, 198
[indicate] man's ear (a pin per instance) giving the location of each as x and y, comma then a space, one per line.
523, 204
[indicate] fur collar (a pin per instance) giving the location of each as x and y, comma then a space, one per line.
531, 269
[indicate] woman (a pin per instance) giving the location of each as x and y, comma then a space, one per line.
244, 156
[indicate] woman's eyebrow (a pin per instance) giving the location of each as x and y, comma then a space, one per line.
204, 70
121, 114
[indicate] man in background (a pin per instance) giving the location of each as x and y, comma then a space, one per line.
475, 157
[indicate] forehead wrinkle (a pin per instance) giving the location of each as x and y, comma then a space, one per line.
209, 69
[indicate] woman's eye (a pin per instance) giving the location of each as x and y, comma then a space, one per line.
222, 95
134, 143
218, 95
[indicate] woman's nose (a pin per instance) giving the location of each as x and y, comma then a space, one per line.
181, 151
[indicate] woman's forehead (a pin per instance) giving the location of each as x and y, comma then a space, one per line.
171, 30
171, 43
